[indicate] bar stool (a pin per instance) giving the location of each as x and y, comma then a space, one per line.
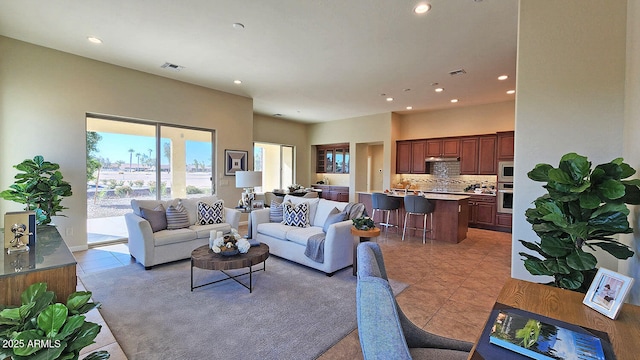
418, 205
385, 203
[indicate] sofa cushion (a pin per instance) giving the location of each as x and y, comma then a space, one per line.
295, 215
165, 237
210, 214
313, 205
203, 231
302, 235
276, 230
177, 217
324, 208
335, 216
150, 204
156, 217
191, 204
275, 211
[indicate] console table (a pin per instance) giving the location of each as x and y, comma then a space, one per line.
50, 261
566, 305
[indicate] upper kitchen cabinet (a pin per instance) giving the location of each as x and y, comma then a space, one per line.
332, 158
410, 157
478, 155
505, 145
445, 147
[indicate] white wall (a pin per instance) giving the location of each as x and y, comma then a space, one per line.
570, 95
45, 95
631, 135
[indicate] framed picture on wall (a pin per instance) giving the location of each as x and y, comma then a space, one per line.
235, 160
608, 292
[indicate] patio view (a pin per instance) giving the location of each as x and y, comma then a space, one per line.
123, 163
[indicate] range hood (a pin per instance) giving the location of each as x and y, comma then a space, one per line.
441, 159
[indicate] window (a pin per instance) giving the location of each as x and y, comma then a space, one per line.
277, 163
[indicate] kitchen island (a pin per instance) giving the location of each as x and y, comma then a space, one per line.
450, 215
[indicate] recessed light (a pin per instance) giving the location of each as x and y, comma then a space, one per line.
94, 39
421, 8
438, 90
503, 77
511, 92
454, 100
237, 82
389, 99
238, 26
409, 107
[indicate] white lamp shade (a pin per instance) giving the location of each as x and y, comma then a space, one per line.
248, 179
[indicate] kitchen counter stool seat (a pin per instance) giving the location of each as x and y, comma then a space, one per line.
383, 202
418, 206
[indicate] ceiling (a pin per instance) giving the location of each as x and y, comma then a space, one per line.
306, 60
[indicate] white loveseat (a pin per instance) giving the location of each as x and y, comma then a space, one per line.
289, 242
152, 248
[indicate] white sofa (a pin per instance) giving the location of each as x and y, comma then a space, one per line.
152, 248
289, 242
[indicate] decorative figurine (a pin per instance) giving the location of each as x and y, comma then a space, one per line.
18, 230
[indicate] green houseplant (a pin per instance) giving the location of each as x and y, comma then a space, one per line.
40, 186
42, 329
582, 208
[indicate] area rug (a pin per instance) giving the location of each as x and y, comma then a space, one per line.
293, 312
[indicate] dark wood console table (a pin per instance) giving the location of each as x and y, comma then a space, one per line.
565, 305
50, 261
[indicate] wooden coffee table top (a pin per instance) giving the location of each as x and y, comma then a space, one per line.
205, 258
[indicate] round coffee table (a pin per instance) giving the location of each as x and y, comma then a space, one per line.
204, 258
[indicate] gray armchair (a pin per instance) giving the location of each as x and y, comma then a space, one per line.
384, 331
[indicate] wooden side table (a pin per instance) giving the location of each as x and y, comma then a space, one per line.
358, 237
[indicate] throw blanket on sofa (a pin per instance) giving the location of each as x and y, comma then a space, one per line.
315, 244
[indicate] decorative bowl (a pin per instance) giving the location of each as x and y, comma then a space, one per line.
230, 252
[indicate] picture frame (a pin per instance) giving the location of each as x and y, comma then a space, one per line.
235, 160
608, 292
257, 204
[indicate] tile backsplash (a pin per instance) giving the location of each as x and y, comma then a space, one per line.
445, 176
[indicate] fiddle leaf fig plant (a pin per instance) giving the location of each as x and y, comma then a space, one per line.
40, 187
41, 329
582, 208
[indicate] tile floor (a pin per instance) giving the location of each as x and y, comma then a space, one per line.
452, 287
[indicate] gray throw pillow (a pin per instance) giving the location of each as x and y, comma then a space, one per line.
177, 217
156, 217
335, 216
275, 211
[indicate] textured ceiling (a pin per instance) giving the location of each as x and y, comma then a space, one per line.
308, 60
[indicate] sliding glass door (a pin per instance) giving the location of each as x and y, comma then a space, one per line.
135, 160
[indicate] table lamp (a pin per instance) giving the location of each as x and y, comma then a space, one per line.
248, 180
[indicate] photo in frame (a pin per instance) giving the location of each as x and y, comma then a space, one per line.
235, 160
608, 292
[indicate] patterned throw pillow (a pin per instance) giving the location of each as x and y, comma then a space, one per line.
155, 217
295, 215
275, 211
211, 214
177, 217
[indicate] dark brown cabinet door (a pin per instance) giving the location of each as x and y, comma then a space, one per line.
451, 147
433, 148
469, 156
505, 145
487, 155
486, 213
403, 157
418, 165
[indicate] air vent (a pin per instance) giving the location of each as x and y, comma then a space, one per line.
172, 67
457, 72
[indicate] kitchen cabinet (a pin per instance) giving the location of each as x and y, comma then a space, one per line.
478, 155
410, 157
482, 210
333, 192
505, 145
444, 147
503, 220
333, 158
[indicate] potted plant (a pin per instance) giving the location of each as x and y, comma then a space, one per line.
40, 186
582, 208
43, 329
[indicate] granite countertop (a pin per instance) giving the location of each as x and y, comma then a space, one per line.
432, 196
